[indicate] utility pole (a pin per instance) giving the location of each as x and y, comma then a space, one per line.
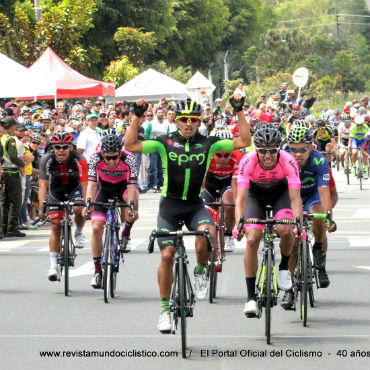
337, 18
226, 71
38, 10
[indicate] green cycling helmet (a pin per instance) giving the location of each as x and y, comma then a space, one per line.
299, 135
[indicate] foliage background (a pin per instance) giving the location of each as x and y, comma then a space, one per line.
117, 39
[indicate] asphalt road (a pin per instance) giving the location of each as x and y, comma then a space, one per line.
36, 316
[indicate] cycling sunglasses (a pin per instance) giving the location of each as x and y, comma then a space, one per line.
223, 155
111, 157
265, 151
188, 119
34, 142
300, 150
61, 147
37, 131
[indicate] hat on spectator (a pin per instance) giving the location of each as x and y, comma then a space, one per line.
290, 91
218, 100
97, 103
20, 126
102, 114
296, 106
92, 115
10, 104
119, 102
9, 121
100, 98
46, 106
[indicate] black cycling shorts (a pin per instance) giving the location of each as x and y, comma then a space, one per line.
322, 144
171, 211
256, 208
56, 212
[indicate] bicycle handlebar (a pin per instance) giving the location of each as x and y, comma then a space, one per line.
65, 204
157, 234
112, 204
219, 204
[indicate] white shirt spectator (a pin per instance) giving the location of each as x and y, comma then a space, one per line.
89, 140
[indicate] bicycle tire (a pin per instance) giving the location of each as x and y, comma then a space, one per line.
211, 276
182, 301
65, 259
347, 168
105, 265
268, 288
304, 291
337, 161
311, 275
114, 269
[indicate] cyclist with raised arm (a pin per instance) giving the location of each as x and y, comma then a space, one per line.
112, 174
316, 198
267, 176
221, 176
63, 176
186, 155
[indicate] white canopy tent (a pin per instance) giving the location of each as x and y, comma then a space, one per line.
18, 81
199, 87
151, 85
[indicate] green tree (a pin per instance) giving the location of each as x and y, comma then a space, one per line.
120, 71
62, 27
178, 73
135, 43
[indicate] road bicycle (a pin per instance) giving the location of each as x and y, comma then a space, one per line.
217, 257
359, 170
182, 298
347, 164
266, 284
112, 251
305, 274
67, 250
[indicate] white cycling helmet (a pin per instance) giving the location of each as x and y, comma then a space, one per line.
310, 118
359, 120
219, 124
223, 134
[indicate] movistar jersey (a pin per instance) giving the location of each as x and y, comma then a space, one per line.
314, 173
185, 161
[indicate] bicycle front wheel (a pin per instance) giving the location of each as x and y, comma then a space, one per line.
268, 295
212, 276
304, 282
107, 264
182, 302
65, 249
114, 268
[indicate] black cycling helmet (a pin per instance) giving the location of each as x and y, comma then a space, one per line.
320, 123
276, 119
188, 107
61, 137
111, 144
267, 136
109, 131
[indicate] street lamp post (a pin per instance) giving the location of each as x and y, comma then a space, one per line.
38, 10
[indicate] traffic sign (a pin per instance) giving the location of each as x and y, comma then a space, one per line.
300, 77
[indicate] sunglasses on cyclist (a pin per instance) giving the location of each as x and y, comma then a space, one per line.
111, 157
223, 155
37, 131
34, 142
271, 150
188, 119
300, 150
61, 147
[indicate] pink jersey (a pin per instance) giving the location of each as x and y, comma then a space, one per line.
285, 169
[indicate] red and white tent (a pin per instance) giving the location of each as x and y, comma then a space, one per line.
68, 82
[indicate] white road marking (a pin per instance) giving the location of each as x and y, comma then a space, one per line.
171, 337
7, 245
363, 267
85, 269
361, 213
363, 242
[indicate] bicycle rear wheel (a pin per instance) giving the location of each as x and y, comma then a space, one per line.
107, 264
268, 295
304, 283
114, 268
65, 249
182, 302
212, 276
311, 276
